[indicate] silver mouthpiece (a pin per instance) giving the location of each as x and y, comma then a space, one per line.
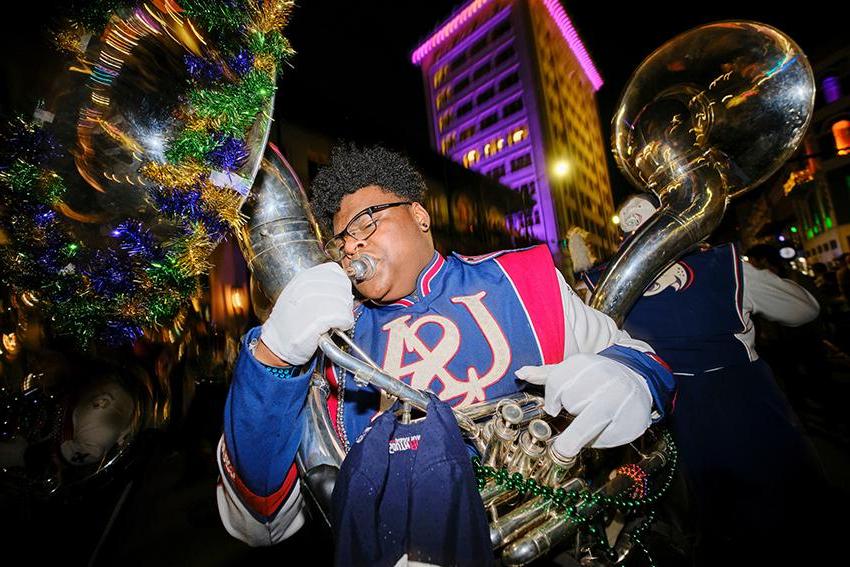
361, 268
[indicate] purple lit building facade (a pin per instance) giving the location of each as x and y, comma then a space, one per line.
510, 92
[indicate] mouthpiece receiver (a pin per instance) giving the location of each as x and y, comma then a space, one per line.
361, 268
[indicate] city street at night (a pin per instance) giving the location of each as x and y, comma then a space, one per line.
456, 282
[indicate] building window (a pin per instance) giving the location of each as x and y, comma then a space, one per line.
530, 188
831, 89
448, 143
509, 81
443, 97
467, 133
457, 62
521, 162
512, 107
518, 135
494, 146
489, 120
833, 244
478, 46
501, 29
445, 120
470, 158
497, 172
440, 76
484, 96
504, 55
841, 133
481, 71
438, 208
461, 85
464, 108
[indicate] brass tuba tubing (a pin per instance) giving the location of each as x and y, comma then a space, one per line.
531, 447
320, 452
530, 514
694, 207
503, 432
526, 457
486, 409
496, 495
366, 373
706, 117
556, 529
281, 237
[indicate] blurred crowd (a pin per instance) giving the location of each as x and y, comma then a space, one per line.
811, 362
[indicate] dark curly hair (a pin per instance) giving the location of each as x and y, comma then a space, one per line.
352, 168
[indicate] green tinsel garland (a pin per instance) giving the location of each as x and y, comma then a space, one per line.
217, 16
31, 184
235, 106
272, 43
190, 144
160, 289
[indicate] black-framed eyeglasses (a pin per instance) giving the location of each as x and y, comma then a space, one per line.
361, 227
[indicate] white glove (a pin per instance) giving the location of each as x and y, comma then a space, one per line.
315, 301
611, 402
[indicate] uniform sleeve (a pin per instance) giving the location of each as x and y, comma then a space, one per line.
244, 523
591, 331
777, 299
582, 291
258, 495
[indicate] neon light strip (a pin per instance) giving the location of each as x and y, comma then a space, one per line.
556, 11
447, 30
571, 35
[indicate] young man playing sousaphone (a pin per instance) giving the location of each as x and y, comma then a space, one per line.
469, 329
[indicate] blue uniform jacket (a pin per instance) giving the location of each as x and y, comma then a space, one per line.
468, 326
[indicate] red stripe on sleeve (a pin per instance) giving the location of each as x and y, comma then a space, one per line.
262, 505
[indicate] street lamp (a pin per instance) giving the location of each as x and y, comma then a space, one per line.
615, 219
561, 168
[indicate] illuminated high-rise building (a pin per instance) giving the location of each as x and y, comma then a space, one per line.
510, 92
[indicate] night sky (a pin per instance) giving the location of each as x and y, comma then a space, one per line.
353, 74
353, 77
353, 58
